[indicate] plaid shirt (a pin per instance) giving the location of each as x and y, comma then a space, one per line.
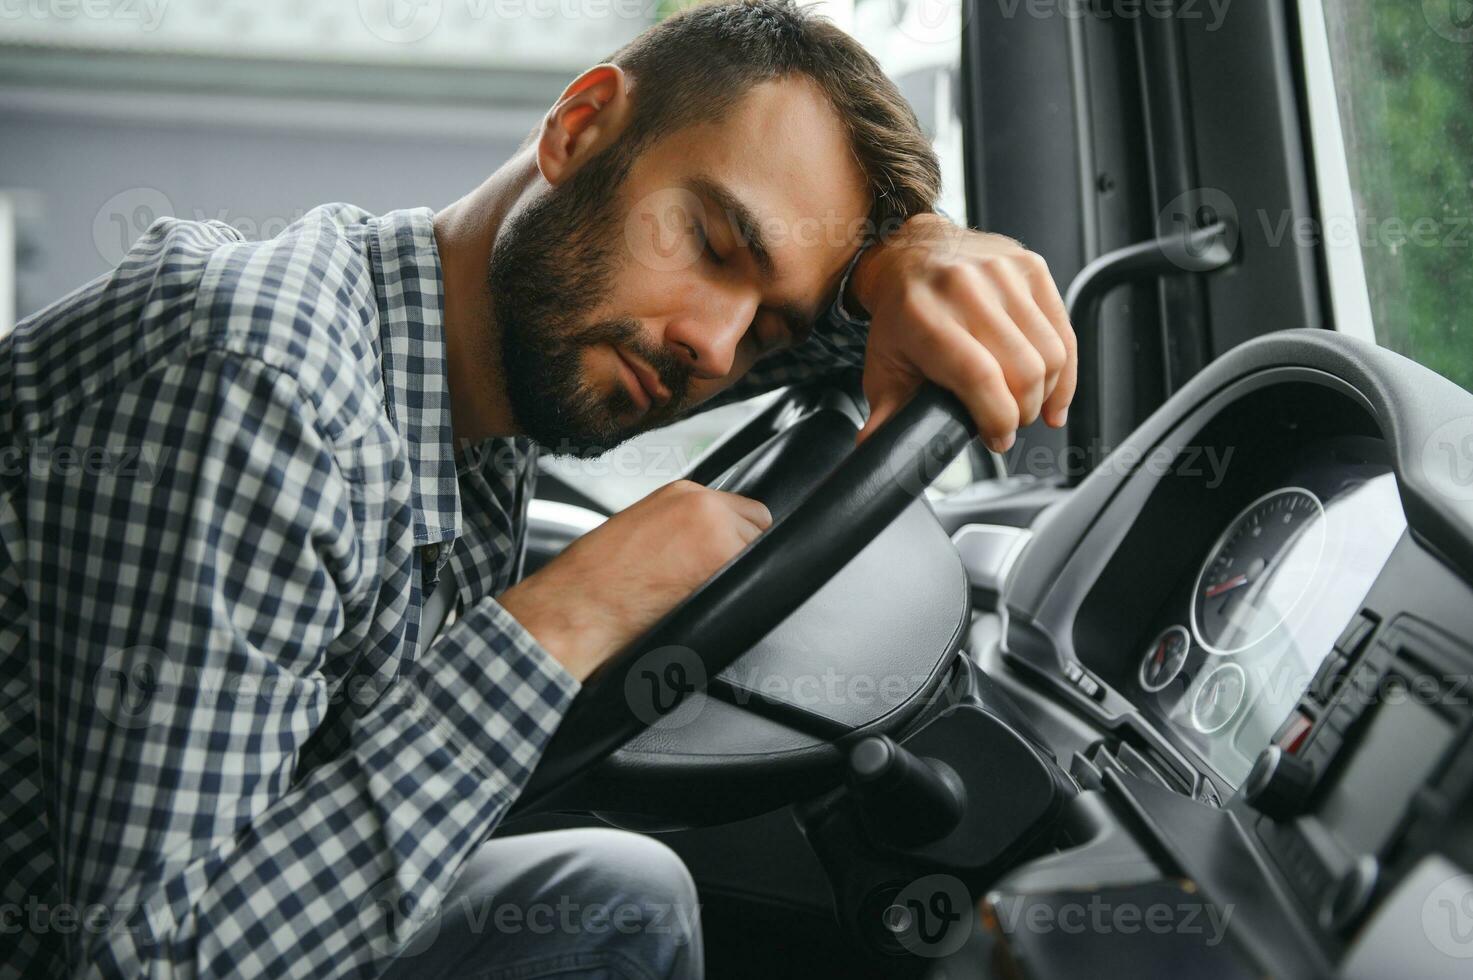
227, 485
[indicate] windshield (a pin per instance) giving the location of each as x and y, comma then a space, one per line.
1403, 74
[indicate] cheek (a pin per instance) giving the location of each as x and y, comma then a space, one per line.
631, 293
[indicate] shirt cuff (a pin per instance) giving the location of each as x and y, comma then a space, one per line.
839, 312
498, 690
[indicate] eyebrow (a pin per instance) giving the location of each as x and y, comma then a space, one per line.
748, 227
799, 321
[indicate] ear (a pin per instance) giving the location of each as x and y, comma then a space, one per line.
589, 115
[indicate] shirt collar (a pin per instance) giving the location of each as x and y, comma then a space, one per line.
405, 264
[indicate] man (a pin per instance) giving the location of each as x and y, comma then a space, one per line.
245, 470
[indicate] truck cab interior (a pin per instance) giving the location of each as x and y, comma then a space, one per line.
1183, 689
1180, 690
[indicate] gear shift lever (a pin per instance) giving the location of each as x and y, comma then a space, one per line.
903, 798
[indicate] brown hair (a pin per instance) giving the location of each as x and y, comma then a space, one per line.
698, 63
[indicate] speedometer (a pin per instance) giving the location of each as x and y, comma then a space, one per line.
1258, 571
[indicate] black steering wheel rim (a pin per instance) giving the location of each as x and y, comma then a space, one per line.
747, 598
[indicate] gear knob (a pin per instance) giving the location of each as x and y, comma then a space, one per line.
905, 799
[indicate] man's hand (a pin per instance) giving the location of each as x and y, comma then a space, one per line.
977, 314
616, 581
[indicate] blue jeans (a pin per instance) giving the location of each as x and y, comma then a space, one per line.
594, 904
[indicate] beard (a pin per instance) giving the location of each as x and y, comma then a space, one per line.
552, 263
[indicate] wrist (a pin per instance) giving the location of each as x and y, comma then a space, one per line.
552, 627
872, 267
857, 296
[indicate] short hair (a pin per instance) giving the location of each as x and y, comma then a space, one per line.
698, 63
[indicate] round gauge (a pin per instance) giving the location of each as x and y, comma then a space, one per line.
1164, 660
1218, 698
1258, 570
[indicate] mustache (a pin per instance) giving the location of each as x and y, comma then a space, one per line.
626, 333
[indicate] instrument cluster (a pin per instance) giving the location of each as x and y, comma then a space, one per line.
1239, 643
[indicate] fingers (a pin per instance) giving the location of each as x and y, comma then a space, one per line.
1040, 332
716, 506
951, 358
753, 512
887, 387
1046, 295
987, 324
1023, 366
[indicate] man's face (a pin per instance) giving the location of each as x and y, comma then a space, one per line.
621, 304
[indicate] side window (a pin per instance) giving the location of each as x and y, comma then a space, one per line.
1402, 73
918, 44
647, 462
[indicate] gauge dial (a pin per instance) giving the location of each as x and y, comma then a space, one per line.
1164, 659
1258, 570
1218, 698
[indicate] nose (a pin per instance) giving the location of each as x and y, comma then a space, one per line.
706, 338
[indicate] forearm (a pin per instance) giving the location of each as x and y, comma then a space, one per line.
347, 864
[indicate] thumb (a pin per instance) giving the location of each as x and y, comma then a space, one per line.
882, 405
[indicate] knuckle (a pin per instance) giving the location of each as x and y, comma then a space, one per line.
708, 504
1054, 354
1030, 370
950, 276
980, 372
698, 506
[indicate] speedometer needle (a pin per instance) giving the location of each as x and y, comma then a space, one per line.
1216, 590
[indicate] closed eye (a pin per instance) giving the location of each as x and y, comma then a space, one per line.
711, 255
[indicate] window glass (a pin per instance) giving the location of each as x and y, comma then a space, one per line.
1404, 76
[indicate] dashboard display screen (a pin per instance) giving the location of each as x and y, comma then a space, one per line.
1271, 595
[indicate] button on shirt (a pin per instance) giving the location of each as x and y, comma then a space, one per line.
227, 485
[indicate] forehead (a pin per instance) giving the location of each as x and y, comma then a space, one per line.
784, 152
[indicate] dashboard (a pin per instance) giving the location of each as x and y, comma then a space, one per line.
1252, 549
1262, 606
1237, 643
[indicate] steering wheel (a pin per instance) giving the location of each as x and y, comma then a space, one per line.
811, 539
